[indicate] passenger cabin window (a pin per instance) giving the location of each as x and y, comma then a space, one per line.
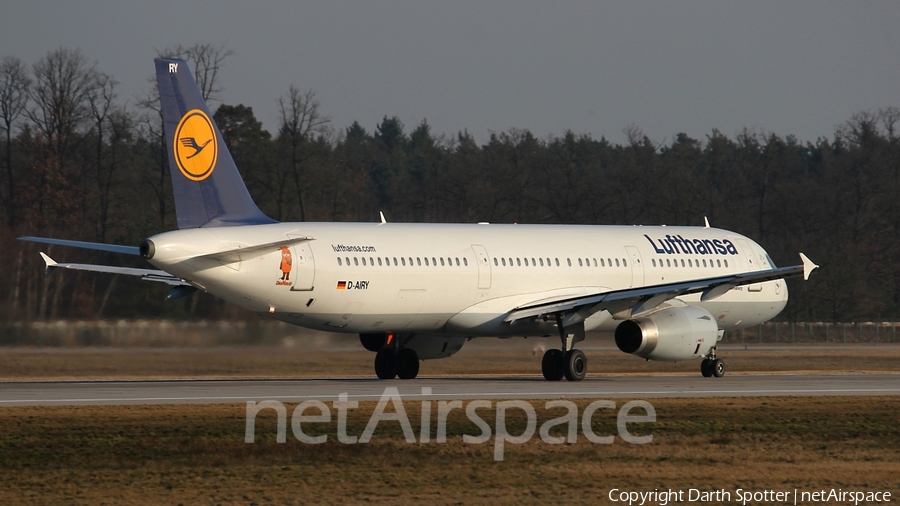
495, 262
339, 261
465, 261
624, 262
726, 262
419, 261
579, 263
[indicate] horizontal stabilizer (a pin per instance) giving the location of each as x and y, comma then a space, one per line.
145, 274
99, 246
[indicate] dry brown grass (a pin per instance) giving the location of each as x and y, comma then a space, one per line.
193, 454
487, 357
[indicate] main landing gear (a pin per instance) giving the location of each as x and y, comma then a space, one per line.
395, 362
712, 366
566, 362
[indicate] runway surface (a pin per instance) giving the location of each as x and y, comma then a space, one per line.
532, 387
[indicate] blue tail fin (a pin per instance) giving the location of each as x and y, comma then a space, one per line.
209, 191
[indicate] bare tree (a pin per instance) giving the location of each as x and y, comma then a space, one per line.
890, 116
62, 82
207, 61
101, 101
300, 120
14, 85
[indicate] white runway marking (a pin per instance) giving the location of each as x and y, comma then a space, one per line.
237, 391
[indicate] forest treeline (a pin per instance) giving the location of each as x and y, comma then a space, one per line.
81, 162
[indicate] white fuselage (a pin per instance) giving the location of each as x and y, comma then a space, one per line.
460, 279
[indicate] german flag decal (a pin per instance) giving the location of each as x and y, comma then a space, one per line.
342, 285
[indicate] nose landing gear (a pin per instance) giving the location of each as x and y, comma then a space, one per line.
712, 366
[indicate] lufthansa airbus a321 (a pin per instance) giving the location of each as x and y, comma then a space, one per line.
418, 291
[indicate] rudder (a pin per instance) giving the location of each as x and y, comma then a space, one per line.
209, 190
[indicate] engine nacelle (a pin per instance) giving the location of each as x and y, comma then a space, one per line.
431, 346
677, 333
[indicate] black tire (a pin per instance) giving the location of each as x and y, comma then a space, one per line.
385, 364
706, 368
407, 364
718, 367
552, 365
575, 365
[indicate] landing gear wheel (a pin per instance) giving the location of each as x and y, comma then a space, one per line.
718, 367
385, 364
551, 365
407, 364
575, 365
706, 368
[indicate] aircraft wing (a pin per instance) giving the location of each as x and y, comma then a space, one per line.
145, 274
634, 301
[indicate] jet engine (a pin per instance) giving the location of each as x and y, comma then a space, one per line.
677, 333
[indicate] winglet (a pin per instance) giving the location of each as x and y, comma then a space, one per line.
383, 221
49, 265
808, 266
705, 222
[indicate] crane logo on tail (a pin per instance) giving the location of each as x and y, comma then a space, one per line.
196, 146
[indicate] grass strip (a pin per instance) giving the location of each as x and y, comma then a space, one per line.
196, 454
